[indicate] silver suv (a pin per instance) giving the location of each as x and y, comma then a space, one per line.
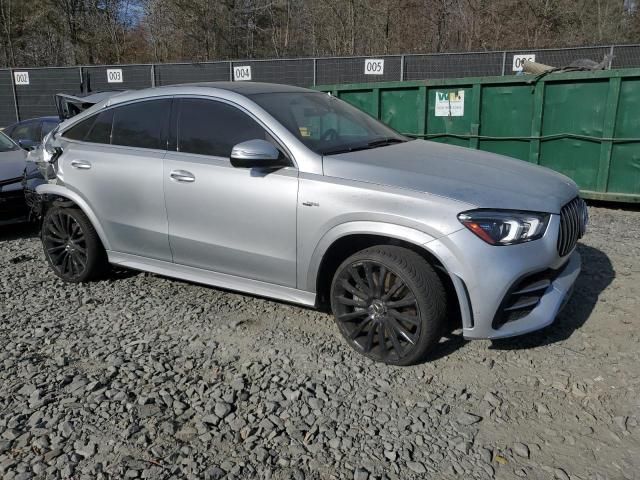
293, 194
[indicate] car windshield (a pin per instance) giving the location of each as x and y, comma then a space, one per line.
326, 124
6, 144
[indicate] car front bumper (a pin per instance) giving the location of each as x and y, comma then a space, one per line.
485, 278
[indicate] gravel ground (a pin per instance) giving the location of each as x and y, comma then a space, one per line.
140, 376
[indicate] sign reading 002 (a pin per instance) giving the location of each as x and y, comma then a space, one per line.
374, 66
114, 75
242, 73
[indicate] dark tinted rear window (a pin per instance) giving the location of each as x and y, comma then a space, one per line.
80, 130
101, 130
140, 124
212, 128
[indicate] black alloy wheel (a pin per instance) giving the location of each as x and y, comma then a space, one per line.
389, 304
71, 245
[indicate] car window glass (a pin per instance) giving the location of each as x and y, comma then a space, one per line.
212, 128
6, 145
47, 126
140, 124
25, 131
80, 130
101, 129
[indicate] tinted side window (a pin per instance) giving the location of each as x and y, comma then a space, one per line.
101, 130
80, 130
212, 128
141, 124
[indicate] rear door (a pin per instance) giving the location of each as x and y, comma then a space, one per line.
237, 221
114, 161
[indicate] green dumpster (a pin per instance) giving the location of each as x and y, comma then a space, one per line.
583, 124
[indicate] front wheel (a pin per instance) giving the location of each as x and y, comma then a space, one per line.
71, 245
389, 304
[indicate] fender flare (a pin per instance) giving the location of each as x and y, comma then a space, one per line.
407, 234
383, 229
49, 189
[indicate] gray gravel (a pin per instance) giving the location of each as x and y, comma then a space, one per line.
140, 376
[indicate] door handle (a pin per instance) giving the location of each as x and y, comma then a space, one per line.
182, 176
80, 165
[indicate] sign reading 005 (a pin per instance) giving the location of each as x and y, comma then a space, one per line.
374, 66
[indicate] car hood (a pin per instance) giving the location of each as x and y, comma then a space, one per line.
481, 179
12, 166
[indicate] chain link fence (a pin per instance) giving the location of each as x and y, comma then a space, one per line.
29, 92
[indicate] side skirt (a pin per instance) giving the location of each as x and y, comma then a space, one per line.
214, 279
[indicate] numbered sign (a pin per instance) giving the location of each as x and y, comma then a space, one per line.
21, 78
374, 66
114, 75
242, 73
520, 60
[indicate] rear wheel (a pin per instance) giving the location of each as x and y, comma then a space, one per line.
389, 304
71, 245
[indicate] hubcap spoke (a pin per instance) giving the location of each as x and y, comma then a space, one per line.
360, 328
382, 273
400, 330
405, 318
394, 340
407, 301
384, 351
352, 302
395, 288
359, 281
352, 290
369, 345
368, 270
345, 317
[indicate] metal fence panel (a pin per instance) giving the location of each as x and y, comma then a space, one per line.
191, 72
37, 98
102, 78
291, 72
627, 56
561, 57
7, 105
352, 70
453, 65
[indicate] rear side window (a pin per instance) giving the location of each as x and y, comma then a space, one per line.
141, 124
212, 128
80, 130
101, 129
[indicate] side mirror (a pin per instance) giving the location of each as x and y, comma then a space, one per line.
27, 144
257, 154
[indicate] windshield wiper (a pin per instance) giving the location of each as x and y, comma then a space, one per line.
385, 141
374, 144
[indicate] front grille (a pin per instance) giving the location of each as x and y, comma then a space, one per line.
573, 222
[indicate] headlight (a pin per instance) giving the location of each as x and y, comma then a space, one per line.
505, 227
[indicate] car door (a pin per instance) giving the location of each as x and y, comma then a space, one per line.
229, 220
114, 161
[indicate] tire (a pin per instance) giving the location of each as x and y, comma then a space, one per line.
72, 246
396, 321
